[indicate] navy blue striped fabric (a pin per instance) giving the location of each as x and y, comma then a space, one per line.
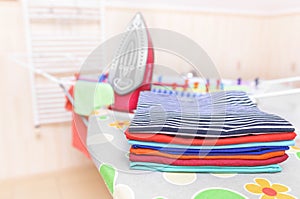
220, 114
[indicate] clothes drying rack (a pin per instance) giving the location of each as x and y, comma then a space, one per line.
68, 81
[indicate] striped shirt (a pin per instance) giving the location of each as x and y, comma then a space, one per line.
219, 114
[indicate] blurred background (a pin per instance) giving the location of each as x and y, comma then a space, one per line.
246, 39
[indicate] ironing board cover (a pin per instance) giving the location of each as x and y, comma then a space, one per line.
109, 148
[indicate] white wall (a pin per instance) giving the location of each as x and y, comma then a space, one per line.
246, 46
228, 39
283, 46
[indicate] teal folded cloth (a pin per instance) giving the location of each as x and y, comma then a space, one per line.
253, 144
273, 168
90, 96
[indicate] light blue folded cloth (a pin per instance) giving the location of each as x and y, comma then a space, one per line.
273, 168
253, 144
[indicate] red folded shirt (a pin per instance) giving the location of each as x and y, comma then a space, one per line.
195, 162
152, 137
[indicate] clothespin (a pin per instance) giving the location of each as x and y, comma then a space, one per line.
174, 86
186, 84
160, 79
222, 86
101, 78
239, 81
218, 84
256, 82
196, 85
207, 87
106, 76
207, 81
76, 76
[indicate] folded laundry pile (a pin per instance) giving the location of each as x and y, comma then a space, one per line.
216, 132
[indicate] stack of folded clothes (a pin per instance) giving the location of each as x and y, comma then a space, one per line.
216, 132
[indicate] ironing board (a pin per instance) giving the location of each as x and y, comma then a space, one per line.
108, 148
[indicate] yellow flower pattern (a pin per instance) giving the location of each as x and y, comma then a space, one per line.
267, 190
119, 124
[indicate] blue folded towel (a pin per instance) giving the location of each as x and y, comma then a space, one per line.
231, 146
217, 152
148, 166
